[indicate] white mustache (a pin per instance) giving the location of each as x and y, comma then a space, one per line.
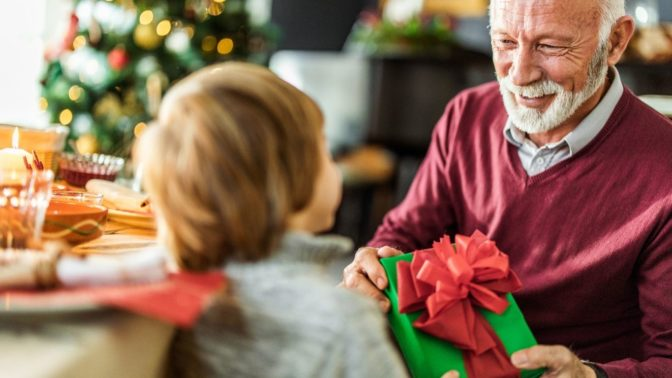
539, 89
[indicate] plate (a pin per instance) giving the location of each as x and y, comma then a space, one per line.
131, 218
46, 303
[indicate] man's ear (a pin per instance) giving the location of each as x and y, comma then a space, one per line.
620, 36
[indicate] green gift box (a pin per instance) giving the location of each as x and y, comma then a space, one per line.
429, 356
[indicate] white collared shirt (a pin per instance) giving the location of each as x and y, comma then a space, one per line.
538, 159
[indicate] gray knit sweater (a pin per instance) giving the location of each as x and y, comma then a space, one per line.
283, 318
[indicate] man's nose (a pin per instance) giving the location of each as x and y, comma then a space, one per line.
524, 69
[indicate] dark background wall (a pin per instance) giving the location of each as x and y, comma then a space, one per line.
315, 24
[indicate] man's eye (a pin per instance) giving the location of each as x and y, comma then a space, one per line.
549, 47
505, 43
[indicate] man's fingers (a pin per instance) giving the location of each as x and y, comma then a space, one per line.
388, 252
366, 275
553, 357
353, 278
367, 264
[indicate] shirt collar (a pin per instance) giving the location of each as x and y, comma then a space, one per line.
587, 129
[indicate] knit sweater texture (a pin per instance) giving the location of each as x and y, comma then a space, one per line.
590, 238
283, 318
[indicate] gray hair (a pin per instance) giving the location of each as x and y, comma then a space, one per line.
610, 11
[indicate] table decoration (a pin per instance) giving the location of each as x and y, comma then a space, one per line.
14, 158
47, 143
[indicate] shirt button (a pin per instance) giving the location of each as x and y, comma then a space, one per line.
539, 161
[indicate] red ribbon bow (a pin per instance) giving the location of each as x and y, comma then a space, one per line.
447, 283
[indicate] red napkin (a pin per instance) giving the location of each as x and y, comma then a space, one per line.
178, 300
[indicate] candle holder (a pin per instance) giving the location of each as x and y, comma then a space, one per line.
24, 197
48, 143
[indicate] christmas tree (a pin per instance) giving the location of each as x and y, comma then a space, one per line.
118, 57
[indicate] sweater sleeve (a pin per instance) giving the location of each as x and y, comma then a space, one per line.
654, 283
367, 347
425, 212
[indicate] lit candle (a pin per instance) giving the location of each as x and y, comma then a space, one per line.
11, 159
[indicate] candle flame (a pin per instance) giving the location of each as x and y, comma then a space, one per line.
15, 138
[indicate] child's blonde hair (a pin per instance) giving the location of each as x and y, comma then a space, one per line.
234, 151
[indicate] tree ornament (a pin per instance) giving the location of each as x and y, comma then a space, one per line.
146, 66
118, 58
178, 41
87, 144
145, 36
66, 44
108, 107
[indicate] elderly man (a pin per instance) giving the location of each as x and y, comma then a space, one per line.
571, 175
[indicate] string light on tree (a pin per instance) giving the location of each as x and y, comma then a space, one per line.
78, 42
44, 104
146, 17
163, 28
65, 117
225, 46
75, 93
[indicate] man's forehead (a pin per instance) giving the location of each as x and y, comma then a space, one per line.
536, 14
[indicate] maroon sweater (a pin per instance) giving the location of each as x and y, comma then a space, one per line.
590, 238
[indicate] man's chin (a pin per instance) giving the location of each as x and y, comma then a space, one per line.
530, 121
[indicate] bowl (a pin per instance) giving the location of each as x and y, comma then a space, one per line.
77, 170
75, 217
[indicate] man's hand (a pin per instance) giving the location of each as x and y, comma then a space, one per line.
558, 360
366, 275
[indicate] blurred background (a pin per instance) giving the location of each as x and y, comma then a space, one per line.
382, 70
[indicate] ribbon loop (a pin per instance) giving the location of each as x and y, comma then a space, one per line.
447, 283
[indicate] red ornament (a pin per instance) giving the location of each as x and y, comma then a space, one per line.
118, 58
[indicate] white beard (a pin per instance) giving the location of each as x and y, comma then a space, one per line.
565, 103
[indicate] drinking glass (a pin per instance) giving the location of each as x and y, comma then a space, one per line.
24, 197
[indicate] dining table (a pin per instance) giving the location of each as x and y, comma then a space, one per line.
67, 333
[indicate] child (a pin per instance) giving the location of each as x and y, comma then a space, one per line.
240, 177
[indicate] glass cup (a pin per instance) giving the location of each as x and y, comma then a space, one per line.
84, 198
24, 197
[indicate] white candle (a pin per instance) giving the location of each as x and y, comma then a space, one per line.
11, 159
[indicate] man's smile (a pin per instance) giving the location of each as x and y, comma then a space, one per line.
534, 102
